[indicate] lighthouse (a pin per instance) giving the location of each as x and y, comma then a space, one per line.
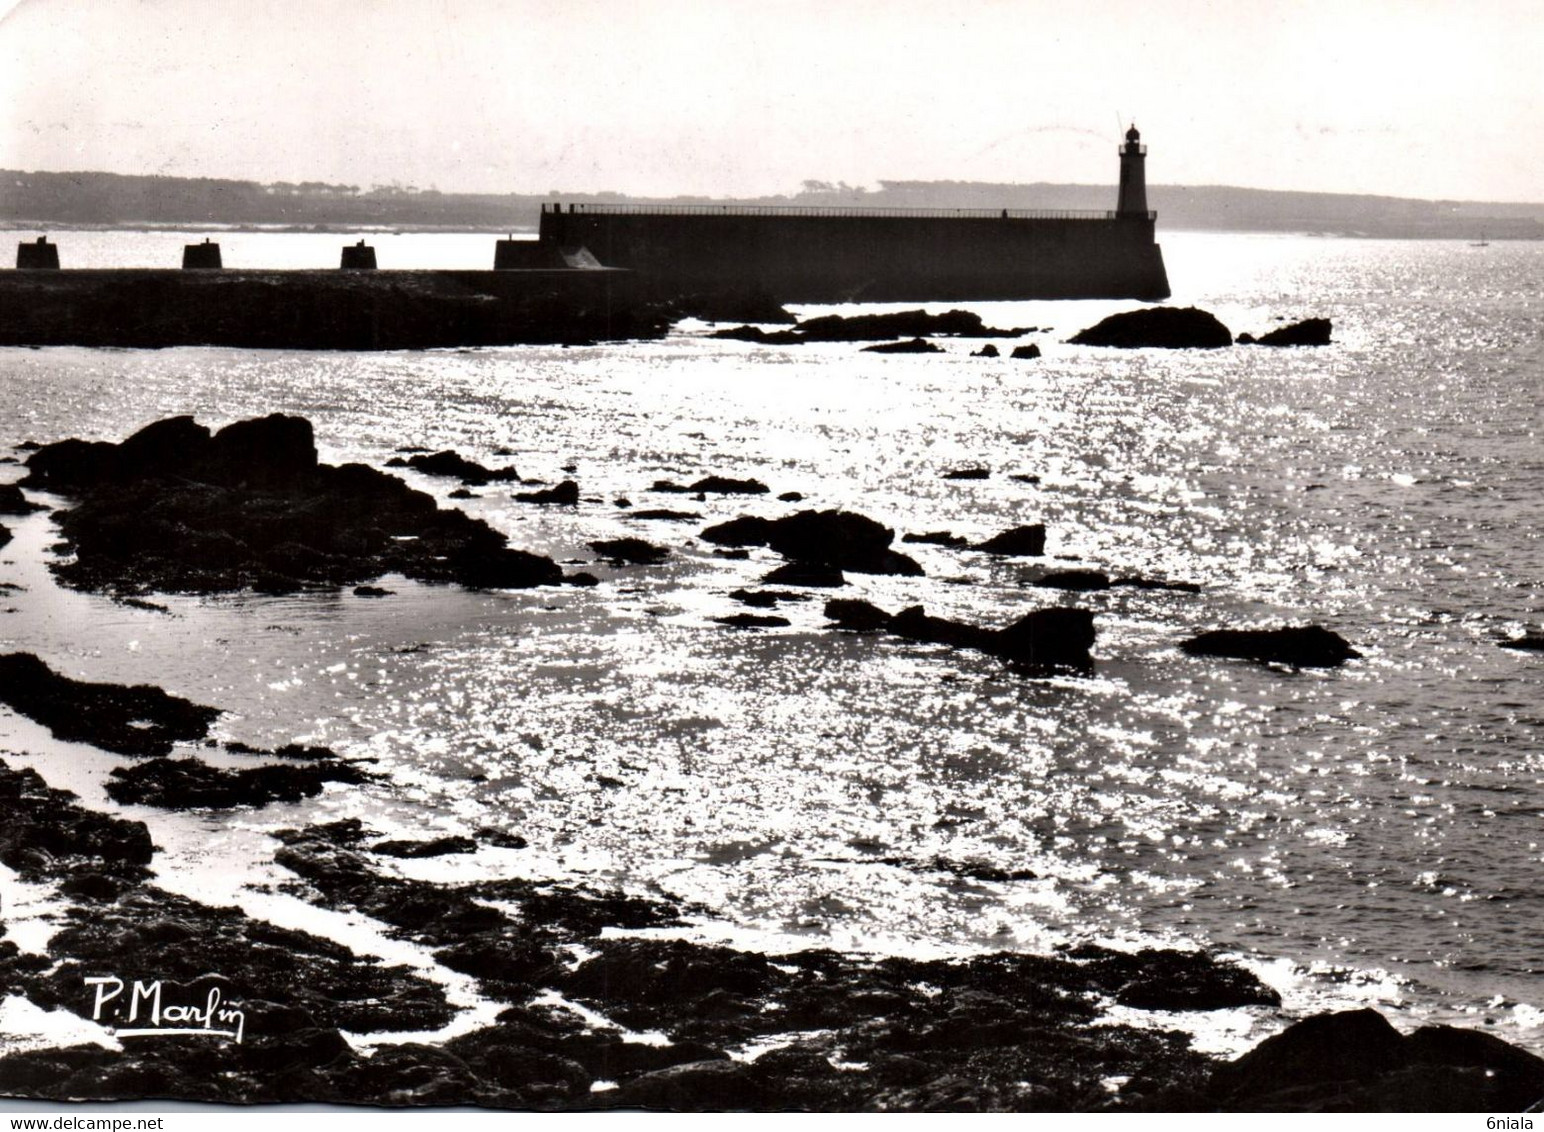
1133, 177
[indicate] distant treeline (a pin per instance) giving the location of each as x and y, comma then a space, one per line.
44, 199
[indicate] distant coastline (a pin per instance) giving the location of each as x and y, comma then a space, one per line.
110, 200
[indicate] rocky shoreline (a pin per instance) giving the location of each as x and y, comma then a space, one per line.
597, 999
595, 1013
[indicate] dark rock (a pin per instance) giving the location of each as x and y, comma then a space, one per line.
725, 485
503, 956
272, 451
1024, 477
453, 465
632, 551
316, 979
1533, 642
185, 784
1017, 542
462, 493
1356, 1061
1039, 643
938, 538
565, 494
372, 591
697, 1085
842, 540
857, 616
1047, 639
1025, 353
1496, 1076
5, 535
911, 346
1309, 332
581, 578
807, 574
1154, 979
753, 621
915, 624
250, 507
304, 753
987, 351
47, 835
737, 305
1078, 581
1140, 583
500, 568
1321, 1053
670, 487
437, 847
1166, 327
1306, 646
69, 464
765, 599
747, 530
663, 514
792, 497
897, 324
968, 474
137, 720
13, 502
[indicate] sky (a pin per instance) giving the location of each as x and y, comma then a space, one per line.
1417, 98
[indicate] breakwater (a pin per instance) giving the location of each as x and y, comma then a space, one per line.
322, 310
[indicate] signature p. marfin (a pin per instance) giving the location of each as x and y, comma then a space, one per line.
145, 1005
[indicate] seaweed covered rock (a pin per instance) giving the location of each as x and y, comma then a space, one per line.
137, 720
1172, 328
175, 508
434, 847
188, 784
1304, 646
46, 834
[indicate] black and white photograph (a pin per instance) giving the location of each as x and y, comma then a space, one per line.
599, 556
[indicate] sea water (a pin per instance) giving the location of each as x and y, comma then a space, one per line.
1363, 835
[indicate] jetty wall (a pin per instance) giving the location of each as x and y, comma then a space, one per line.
322, 310
846, 255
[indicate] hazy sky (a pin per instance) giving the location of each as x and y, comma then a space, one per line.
1409, 98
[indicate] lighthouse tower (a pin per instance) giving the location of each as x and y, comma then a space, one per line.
1133, 177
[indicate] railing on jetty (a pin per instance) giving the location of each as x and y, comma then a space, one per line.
834, 210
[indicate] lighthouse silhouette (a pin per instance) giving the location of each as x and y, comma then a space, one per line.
1133, 177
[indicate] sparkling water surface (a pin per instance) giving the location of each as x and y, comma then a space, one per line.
1368, 834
